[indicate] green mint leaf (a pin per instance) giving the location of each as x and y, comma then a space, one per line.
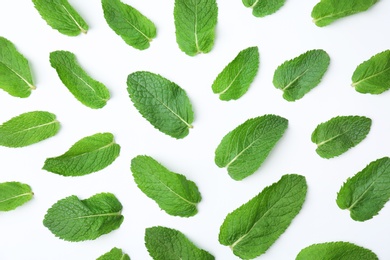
61, 16
13, 195
339, 134
243, 150
373, 75
114, 254
252, 228
134, 28
365, 194
328, 11
28, 128
163, 103
261, 8
88, 91
298, 76
15, 73
237, 76
90, 154
336, 250
195, 23
171, 191
74, 220
166, 243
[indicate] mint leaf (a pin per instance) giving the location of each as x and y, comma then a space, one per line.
61, 16
252, 228
236, 77
328, 11
195, 23
74, 220
365, 194
134, 28
171, 191
114, 254
298, 76
339, 134
15, 73
163, 103
166, 243
336, 250
373, 75
88, 91
28, 128
243, 150
90, 154
14, 194
261, 8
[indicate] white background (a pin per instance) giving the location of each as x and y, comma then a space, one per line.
106, 57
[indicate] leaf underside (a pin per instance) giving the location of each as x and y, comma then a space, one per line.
15, 73
253, 227
261, 8
171, 191
13, 195
365, 194
163, 103
339, 134
165, 243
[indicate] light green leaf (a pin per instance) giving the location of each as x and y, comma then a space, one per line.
28, 128
328, 11
298, 76
88, 91
195, 23
336, 250
61, 16
114, 254
339, 134
90, 154
74, 220
252, 228
243, 150
261, 8
163, 103
171, 191
237, 76
365, 194
166, 243
373, 75
14, 194
15, 73
134, 28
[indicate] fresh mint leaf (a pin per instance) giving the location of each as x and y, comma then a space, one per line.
114, 254
74, 220
14, 194
298, 76
339, 134
336, 250
252, 228
195, 23
15, 73
261, 8
163, 103
165, 243
126, 21
90, 154
28, 128
61, 16
88, 91
373, 75
365, 194
171, 191
243, 150
237, 76
328, 11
